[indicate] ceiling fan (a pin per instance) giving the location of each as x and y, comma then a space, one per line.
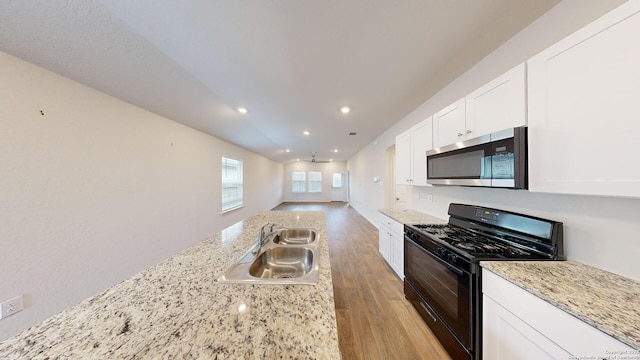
313, 159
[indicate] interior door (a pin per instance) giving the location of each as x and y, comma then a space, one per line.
400, 197
337, 187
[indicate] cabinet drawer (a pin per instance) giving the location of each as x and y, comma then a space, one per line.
396, 227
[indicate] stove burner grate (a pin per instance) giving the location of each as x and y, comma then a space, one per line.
468, 241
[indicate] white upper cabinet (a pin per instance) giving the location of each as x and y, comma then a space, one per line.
411, 158
498, 105
583, 109
403, 158
449, 125
422, 140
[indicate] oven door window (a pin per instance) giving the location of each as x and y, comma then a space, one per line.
443, 287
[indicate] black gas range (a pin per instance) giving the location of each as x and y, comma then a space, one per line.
442, 272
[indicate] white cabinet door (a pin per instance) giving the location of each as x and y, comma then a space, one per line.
384, 242
506, 337
411, 148
403, 158
391, 243
498, 105
449, 124
583, 109
421, 141
516, 323
397, 253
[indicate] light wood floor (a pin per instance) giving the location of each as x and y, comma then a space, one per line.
374, 319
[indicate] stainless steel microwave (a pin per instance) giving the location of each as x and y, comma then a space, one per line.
495, 160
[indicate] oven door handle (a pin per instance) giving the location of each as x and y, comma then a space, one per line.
444, 263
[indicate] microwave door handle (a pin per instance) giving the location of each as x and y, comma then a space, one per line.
447, 265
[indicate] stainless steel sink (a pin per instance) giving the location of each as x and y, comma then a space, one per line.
290, 257
282, 263
295, 236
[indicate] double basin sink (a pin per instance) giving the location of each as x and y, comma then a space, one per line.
286, 257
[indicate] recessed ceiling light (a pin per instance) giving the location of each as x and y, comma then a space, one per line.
335, 150
345, 109
330, 160
287, 150
306, 133
242, 110
297, 159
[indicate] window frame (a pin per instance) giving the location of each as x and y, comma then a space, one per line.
295, 182
236, 202
315, 186
333, 181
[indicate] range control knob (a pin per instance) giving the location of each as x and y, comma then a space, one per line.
452, 258
415, 236
442, 252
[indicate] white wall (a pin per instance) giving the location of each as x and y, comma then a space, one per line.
599, 231
327, 169
95, 190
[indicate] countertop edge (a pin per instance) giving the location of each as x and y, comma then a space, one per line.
628, 334
410, 216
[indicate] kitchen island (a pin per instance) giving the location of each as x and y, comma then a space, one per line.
175, 309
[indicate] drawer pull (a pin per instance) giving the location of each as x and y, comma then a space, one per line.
427, 310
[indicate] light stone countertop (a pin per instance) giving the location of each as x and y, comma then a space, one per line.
175, 310
410, 216
606, 301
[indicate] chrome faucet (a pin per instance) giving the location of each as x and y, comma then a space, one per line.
263, 236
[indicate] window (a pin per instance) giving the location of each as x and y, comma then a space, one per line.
231, 184
337, 180
315, 181
298, 179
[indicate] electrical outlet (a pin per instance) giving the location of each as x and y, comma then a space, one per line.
11, 307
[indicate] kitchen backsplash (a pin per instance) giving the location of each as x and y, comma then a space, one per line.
598, 231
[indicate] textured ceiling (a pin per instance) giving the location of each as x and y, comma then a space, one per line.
292, 63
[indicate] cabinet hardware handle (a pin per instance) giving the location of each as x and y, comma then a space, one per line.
427, 310
459, 134
468, 131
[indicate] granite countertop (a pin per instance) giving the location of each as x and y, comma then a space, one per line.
175, 310
408, 216
606, 301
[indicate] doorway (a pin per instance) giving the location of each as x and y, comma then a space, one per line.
395, 195
337, 187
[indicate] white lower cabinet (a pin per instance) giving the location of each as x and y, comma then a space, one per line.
384, 242
508, 337
518, 325
391, 243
